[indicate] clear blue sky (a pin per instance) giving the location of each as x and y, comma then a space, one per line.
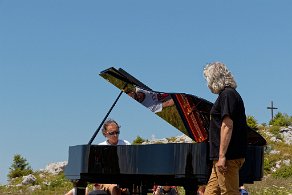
52, 51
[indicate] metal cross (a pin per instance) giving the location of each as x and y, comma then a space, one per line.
272, 108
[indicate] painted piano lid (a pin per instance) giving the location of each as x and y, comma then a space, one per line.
188, 113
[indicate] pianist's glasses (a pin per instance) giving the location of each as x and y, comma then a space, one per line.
114, 133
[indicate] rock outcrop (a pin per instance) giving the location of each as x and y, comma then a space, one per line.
55, 168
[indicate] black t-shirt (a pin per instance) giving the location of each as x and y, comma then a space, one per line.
229, 103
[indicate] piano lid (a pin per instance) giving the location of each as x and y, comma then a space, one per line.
187, 113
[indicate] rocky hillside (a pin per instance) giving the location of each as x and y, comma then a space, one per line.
278, 164
278, 153
49, 180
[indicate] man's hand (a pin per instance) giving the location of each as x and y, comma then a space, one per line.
221, 165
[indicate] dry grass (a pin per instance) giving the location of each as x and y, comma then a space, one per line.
268, 186
271, 186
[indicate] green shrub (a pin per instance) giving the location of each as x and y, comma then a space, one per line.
281, 120
138, 140
171, 139
252, 122
275, 130
57, 182
283, 172
267, 166
20, 167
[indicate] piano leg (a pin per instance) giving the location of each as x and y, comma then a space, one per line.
133, 189
80, 187
144, 190
138, 189
191, 190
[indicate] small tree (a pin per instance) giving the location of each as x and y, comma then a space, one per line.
138, 140
281, 120
20, 167
252, 122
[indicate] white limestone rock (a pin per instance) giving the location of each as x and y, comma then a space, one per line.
28, 179
55, 168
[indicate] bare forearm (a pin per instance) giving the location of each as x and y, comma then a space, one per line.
225, 136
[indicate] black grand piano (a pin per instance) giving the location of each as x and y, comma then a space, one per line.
184, 164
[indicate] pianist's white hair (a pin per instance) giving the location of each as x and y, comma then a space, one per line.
107, 123
218, 77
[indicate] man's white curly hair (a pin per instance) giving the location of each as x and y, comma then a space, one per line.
218, 77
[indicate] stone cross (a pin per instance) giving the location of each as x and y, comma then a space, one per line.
272, 108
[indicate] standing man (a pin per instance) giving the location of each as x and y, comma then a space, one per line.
227, 131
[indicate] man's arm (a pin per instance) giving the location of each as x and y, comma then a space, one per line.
225, 136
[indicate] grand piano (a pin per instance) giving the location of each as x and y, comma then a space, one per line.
183, 164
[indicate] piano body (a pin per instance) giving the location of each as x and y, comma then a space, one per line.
183, 164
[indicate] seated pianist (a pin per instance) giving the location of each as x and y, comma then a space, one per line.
111, 131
